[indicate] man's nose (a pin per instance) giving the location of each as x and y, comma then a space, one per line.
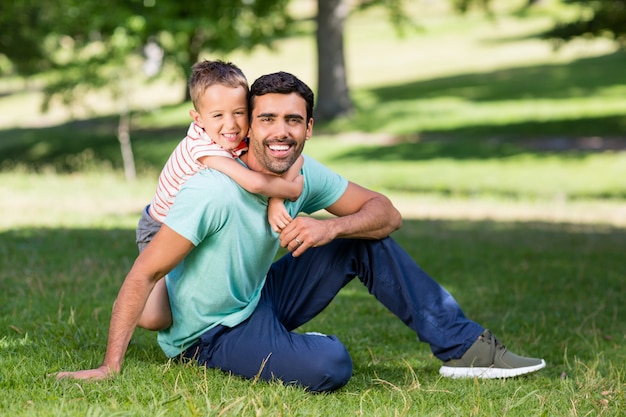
280, 129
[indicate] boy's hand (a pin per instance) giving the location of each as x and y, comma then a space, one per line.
277, 214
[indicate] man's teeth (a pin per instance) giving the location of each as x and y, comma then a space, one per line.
279, 147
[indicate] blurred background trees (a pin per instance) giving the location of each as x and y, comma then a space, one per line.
81, 40
94, 45
594, 18
116, 45
87, 44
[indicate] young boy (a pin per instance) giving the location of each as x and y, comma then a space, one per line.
215, 137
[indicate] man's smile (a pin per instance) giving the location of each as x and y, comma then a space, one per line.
280, 149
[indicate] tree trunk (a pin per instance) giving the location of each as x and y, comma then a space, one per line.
195, 47
123, 136
333, 96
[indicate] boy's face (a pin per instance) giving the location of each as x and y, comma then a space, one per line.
223, 114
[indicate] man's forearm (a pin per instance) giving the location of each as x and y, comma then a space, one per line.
126, 313
376, 219
165, 251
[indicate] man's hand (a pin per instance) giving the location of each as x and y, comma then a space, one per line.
306, 232
102, 372
360, 214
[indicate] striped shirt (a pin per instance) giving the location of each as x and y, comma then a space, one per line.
182, 164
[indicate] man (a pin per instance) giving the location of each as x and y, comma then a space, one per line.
234, 310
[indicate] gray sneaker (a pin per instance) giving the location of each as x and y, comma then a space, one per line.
488, 358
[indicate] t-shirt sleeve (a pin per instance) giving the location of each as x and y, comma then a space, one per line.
196, 213
323, 186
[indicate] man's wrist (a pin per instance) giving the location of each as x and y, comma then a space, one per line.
111, 369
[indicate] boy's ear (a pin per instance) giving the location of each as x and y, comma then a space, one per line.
195, 116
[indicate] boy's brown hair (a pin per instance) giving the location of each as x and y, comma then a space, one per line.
207, 73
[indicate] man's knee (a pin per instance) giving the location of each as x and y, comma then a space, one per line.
331, 369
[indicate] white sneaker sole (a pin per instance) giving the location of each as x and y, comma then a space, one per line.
315, 334
488, 373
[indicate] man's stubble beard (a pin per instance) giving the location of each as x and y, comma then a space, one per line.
270, 164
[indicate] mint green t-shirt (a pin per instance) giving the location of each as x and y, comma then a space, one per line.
220, 280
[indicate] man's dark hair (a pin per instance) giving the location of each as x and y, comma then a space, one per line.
281, 83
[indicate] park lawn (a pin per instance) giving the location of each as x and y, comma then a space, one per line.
546, 289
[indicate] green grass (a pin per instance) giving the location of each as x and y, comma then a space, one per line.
506, 160
548, 290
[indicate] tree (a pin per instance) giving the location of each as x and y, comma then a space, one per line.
333, 96
40, 36
597, 18
93, 45
81, 40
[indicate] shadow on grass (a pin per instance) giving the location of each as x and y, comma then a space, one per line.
568, 137
580, 78
77, 145
461, 144
85, 144
546, 289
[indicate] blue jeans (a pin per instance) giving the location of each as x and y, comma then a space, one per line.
297, 289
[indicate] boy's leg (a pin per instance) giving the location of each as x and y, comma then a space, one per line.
299, 288
157, 314
261, 347
147, 228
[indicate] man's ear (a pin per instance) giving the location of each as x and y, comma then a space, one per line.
309, 130
195, 116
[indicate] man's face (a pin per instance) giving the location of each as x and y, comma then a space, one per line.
278, 130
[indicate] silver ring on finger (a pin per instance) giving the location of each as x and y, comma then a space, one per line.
298, 241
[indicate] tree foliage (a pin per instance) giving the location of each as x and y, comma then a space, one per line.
85, 44
80, 41
88, 44
595, 18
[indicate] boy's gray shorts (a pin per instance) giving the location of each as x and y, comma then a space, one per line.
146, 229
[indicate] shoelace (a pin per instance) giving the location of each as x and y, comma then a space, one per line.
495, 340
